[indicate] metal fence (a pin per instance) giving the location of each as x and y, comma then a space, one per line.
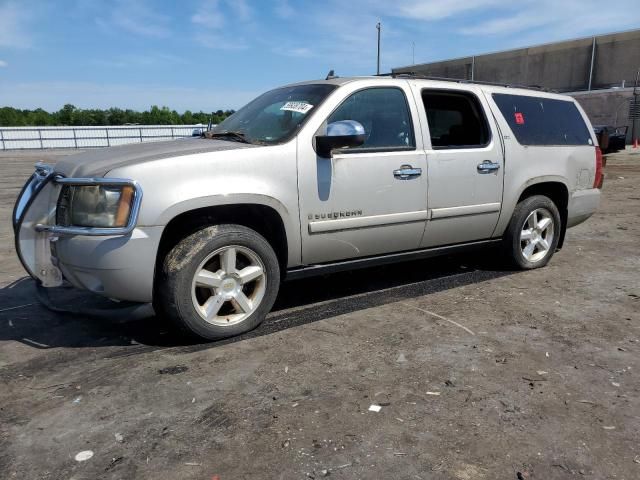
20, 138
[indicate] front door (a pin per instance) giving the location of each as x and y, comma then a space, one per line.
466, 166
371, 199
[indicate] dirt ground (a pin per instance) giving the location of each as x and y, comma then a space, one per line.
479, 373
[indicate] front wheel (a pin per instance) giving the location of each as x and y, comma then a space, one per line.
219, 282
533, 233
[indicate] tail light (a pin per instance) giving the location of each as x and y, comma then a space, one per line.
597, 182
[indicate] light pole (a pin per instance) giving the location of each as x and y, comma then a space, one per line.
634, 110
378, 26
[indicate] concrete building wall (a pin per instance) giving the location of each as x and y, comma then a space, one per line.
608, 107
562, 66
539, 66
617, 58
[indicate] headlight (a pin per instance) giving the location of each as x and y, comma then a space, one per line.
101, 206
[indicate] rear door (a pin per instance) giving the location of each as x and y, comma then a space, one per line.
465, 161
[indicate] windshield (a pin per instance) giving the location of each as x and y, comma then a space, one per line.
275, 116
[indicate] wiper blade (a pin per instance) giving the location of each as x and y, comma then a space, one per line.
233, 135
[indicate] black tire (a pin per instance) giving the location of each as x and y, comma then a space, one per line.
513, 246
173, 295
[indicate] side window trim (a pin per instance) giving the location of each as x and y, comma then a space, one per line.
399, 148
483, 118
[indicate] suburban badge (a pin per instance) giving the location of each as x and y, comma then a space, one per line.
334, 215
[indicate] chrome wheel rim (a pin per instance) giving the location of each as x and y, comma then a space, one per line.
229, 285
536, 235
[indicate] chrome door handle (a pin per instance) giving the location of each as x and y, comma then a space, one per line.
406, 172
488, 167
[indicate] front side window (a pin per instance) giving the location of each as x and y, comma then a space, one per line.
543, 121
384, 114
456, 120
276, 116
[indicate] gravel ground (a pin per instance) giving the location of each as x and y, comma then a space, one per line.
479, 373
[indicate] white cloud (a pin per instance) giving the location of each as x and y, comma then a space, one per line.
284, 9
209, 15
216, 41
220, 25
134, 60
346, 42
300, 52
506, 25
3, 64
549, 20
137, 18
241, 9
439, 9
53, 95
14, 20
472, 17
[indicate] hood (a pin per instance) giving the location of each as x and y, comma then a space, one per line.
98, 162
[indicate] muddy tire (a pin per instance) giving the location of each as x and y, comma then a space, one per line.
218, 282
532, 236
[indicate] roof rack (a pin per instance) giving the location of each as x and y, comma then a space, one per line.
461, 80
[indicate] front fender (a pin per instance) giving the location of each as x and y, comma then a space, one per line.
290, 219
219, 200
265, 176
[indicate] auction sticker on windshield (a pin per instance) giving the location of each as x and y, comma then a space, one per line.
299, 107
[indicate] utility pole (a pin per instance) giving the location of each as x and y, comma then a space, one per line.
634, 110
413, 53
378, 26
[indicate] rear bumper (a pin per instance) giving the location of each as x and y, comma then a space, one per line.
119, 267
582, 204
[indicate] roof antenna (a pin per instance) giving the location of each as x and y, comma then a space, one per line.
331, 75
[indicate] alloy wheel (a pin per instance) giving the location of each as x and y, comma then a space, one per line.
228, 285
536, 236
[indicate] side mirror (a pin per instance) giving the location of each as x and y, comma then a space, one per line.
341, 134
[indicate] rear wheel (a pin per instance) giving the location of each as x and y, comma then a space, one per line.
533, 233
219, 282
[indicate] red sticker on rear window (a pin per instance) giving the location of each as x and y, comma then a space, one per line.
519, 118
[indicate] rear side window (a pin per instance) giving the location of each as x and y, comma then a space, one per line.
543, 121
456, 120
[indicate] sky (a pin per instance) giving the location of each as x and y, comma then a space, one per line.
219, 54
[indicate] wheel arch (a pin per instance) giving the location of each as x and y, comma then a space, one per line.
554, 188
264, 219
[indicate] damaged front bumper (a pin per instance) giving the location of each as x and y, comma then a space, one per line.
114, 262
36, 206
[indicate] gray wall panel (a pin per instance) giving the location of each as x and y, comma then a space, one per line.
562, 66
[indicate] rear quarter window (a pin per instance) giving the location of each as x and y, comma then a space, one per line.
543, 121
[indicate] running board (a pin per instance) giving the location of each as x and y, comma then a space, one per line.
326, 268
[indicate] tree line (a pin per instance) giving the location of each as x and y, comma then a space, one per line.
71, 115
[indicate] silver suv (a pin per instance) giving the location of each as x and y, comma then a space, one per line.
306, 179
